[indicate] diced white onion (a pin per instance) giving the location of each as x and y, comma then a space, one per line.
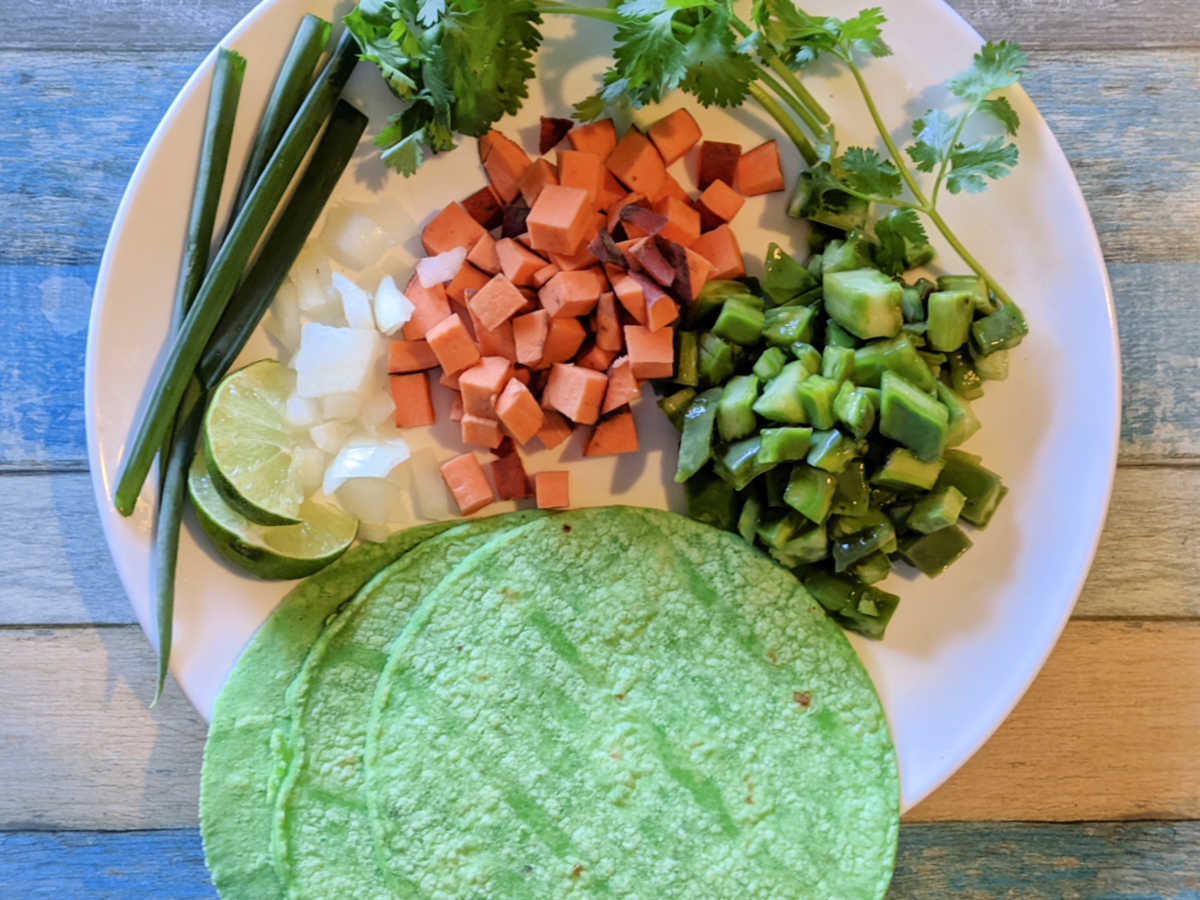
334, 360
282, 321
392, 308
343, 407
377, 408
313, 279
329, 436
439, 269
353, 239
364, 456
356, 305
369, 500
431, 499
301, 412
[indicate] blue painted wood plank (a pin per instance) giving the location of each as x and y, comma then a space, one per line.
1122, 861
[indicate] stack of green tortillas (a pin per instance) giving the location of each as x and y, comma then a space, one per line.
611, 702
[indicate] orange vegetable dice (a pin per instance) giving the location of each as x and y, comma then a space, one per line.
720, 248
611, 192
456, 408
563, 340
529, 336
484, 207
758, 171
518, 409
576, 392
718, 204
452, 227
555, 429
559, 220
574, 293
468, 278
481, 384
595, 357
451, 343
409, 356
672, 188
697, 271
661, 311
517, 262
636, 163
683, 221
468, 485
505, 162
552, 489
674, 135
483, 255
414, 405
430, 306
718, 159
622, 387
539, 174
508, 474
544, 274
494, 343
606, 324
613, 434
582, 170
629, 294
597, 138
651, 353
482, 431
496, 302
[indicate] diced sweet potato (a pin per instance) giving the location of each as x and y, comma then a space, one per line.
690, 281
508, 474
409, 356
613, 434
559, 220
564, 337
496, 302
518, 262
611, 192
482, 431
758, 171
674, 135
636, 163
410, 393
468, 279
514, 216
582, 170
595, 357
614, 213
631, 296
622, 387
452, 344
505, 162
598, 137
483, 255
485, 207
651, 353
494, 343
672, 188
450, 380
555, 429
468, 485
539, 174
576, 392
639, 221
456, 408
570, 294
551, 131
583, 257
430, 306
683, 221
529, 336
606, 325
661, 311
720, 248
518, 410
522, 375
718, 204
544, 274
481, 384
651, 261
552, 489
452, 227
718, 159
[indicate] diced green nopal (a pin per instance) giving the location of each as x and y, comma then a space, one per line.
865, 302
786, 444
873, 568
936, 510
810, 492
832, 451
735, 410
787, 325
903, 472
974, 285
912, 418
777, 527
739, 321
780, 399
854, 408
837, 336
712, 296
963, 377
711, 500
748, 518
716, 359
912, 304
842, 256
809, 355
982, 488
816, 396
849, 549
852, 496
806, 547
854, 605
695, 444
739, 464
785, 278
676, 404
837, 363
993, 367
1002, 330
950, 315
963, 421
899, 355
933, 553
770, 363
836, 209
687, 359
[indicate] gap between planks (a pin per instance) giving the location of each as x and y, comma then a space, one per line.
1103, 734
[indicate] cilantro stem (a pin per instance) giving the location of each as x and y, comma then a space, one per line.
786, 122
937, 183
806, 116
897, 159
788, 77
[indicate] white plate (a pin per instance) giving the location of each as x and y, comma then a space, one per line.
962, 649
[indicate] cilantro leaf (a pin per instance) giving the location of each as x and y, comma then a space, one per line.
934, 133
867, 172
1000, 109
969, 166
902, 241
864, 32
717, 71
431, 11
994, 67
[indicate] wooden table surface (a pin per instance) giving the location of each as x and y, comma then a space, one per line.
1090, 789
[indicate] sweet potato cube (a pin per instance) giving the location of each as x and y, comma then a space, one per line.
622, 387
611, 192
651, 261
452, 344
597, 138
696, 271
683, 221
505, 162
636, 163
496, 302
672, 188
674, 135
576, 392
582, 170
409, 356
559, 220
720, 248
606, 324
485, 207
661, 311
718, 159
555, 429
595, 357
613, 434
456, 408
482, 431
508, 474
450, 380
651, 353
564, 337
483, 255
410, 393
631, 296
758, 170
494, 343
452, 227
614, 217
518, 409
529, 336
552, 130
552, 489
517, 262
539, 174
571, 294
468, 279
482, 383
468, 485
522, 375
430, 306
580, 259
544, 274
718, 204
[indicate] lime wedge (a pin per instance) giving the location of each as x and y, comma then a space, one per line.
249, 444
271, 551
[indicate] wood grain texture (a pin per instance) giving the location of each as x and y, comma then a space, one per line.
1108, 730
1085, 24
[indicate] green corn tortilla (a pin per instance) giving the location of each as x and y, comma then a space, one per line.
612, 702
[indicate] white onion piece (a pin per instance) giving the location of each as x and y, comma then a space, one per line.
342, 407
352, 239
433, 270
334, 360
376, 532
369, 500
309, 465
301, 412
392, 308
282, 321
330, 436
313, 279
377, 407
356, 305
364, 456
431, 499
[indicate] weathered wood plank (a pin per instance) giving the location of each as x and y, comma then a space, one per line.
975, 860
1085, 24
1108, 730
